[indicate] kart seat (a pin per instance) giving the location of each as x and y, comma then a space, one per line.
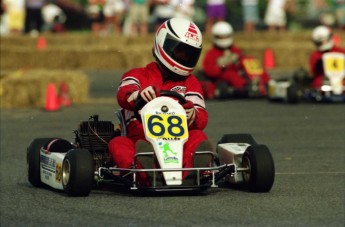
120, 116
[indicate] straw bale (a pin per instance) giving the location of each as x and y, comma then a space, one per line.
28, 88
84, 52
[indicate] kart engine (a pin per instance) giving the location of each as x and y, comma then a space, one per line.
95, 135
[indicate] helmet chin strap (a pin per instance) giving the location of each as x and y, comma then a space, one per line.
168, 74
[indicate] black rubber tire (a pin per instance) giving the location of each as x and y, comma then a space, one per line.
260, 176
79, 165
292, 93
33, 160
222, 91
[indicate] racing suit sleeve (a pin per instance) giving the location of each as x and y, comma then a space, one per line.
210, 67
312, 63
201, 119
194, 94
129, 87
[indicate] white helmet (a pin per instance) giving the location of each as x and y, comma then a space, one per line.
177, 45
322, 38
222, 34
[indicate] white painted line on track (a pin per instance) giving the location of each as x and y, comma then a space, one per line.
309, 173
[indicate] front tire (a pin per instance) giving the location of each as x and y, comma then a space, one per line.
33, 160
259, 176
77, 172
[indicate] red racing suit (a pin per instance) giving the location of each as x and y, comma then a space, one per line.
122, 148
230, 73
316, 65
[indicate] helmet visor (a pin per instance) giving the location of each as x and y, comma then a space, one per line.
182, 53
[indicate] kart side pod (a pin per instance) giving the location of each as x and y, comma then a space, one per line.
254, 166
231, 153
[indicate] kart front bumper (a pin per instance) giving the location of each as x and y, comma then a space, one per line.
200, 178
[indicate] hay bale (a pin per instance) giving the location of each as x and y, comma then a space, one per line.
84, 52
28, 88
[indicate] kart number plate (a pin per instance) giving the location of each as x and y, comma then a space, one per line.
336, 65
252, 66
165, 126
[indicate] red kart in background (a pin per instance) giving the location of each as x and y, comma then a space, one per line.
250, 69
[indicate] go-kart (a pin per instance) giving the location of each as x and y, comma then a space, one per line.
296, 88
250, 69
76, 168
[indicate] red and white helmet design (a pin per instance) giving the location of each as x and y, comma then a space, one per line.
177, 45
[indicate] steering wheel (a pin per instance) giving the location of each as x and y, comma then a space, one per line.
140, 103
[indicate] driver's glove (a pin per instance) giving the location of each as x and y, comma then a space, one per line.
227, 58
149, 93
190, 112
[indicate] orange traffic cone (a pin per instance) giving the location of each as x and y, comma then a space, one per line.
269, 62
337, 40
51, 98
64, 99
41, 43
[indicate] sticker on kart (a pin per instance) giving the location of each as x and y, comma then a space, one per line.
167, 127
252, 66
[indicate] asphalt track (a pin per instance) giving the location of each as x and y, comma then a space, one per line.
306, 140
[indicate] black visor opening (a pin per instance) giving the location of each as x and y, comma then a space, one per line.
222, 36
182, 53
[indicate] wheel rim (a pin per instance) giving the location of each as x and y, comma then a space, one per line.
246, 165
65, 172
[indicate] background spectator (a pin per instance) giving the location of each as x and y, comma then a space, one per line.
340, 13
184, 9
250, 12
275, 16
53, 17
216, 11
33, 18
12, 19
138, 16
163, 10
114, 11
96, 16
3, 19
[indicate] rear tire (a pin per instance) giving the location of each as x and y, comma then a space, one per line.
77, 172
223, 91
260, 174
33, 160
292, 93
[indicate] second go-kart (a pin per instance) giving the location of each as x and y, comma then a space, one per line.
76, 168
294, 90
250, 69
